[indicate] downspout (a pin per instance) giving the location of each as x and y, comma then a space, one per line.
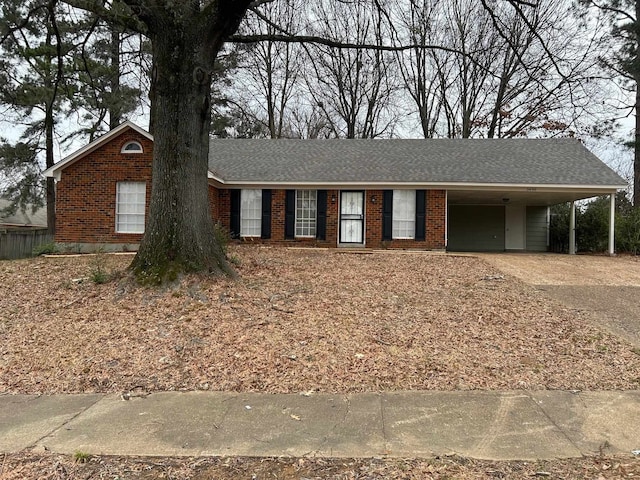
612, 220
446, 220
572, 229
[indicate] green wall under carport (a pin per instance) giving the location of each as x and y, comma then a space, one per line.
476, 228
481, 228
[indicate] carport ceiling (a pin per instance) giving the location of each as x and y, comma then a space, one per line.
511, 197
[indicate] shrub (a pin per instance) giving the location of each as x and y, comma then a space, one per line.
222, 236
45, 249
628, 232
98, 268
559, 228
592, 226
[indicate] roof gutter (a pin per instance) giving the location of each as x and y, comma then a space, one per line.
452, 186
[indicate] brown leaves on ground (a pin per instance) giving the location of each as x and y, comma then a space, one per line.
56, 467
297, 320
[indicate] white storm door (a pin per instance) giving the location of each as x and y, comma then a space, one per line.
351, 217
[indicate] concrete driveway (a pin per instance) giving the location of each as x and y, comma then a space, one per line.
607, 288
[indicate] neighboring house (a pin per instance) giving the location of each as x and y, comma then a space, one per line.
22, 219
465, 195
22, 231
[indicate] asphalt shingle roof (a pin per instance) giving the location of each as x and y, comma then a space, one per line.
28, 217
485, 161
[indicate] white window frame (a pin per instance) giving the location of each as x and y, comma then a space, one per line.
131, 200
124, 148
404, 215
306, 222
251, 212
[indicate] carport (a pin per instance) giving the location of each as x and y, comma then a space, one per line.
491, 218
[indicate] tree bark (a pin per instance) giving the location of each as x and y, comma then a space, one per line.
636, 145
115, 106
636, 148
179, 235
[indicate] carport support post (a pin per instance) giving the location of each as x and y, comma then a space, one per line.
612, 226
572, 229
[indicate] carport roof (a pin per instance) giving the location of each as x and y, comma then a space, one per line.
446, 162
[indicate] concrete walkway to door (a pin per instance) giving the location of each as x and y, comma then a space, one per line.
606, 287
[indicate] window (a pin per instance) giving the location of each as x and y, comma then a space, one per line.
306, 210
250, 213
131, 147
130, 201
404, 214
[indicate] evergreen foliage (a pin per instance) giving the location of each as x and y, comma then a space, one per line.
592, 226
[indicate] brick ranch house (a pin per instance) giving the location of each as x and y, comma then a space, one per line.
460, 195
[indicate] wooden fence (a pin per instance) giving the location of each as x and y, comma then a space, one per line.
20, 243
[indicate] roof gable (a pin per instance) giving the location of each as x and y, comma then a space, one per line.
56, 169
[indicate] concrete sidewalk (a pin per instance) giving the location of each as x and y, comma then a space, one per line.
484, 425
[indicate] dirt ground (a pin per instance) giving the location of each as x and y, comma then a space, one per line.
575, 270
57, 467
302, 320
605, 289
298, 320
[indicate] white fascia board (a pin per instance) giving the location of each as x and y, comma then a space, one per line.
214, 180
426, 185
56, 170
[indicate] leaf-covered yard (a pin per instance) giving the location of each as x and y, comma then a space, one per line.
297, 320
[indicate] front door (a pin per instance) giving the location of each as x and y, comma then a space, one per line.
352, 217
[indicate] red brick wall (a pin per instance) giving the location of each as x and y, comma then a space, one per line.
86, 203
214, 202
86, 191
435, 220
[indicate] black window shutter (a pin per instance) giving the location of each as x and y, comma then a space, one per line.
387, 214
265, 228
421, 203
290, 214
321, 215
234, 225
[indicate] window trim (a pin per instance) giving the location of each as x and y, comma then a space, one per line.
124, 148
315, 216
258, 218
410, 218
119, 215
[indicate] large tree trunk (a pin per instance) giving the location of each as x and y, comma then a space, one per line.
636, 149
636, 145
179, 235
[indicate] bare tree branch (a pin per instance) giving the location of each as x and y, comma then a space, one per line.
245, 39
609, 8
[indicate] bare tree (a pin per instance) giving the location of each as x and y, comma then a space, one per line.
421, 79
353, 87
546, 80
270, 71
499, 76
623, 63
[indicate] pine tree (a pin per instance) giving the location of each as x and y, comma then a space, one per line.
32, 85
